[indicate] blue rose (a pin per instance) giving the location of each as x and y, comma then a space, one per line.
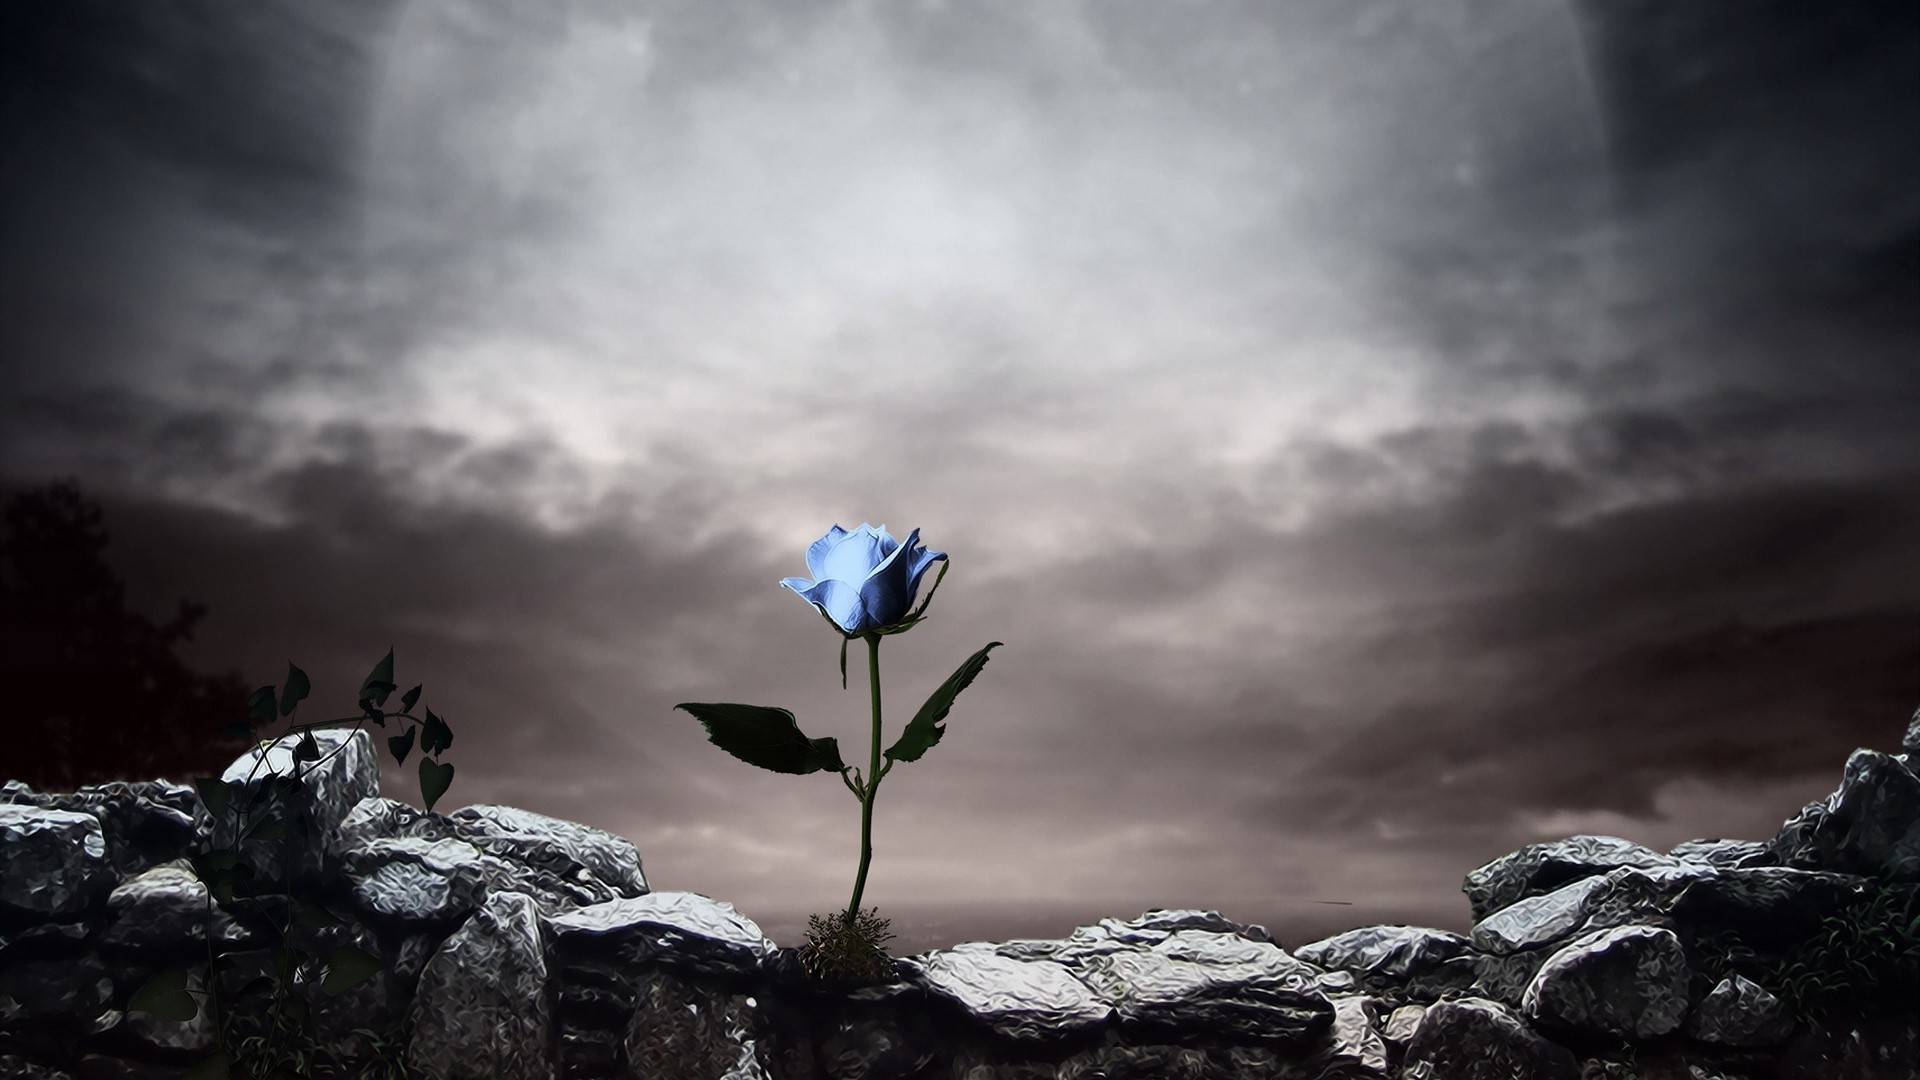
864, 580
864, 583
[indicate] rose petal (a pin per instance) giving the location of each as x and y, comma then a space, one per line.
838, 599
817, 554
852, 558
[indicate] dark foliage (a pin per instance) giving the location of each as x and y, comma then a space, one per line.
90, 691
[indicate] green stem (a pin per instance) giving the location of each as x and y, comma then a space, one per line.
873, 780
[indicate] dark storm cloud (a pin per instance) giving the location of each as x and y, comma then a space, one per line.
270, 97
1760, 159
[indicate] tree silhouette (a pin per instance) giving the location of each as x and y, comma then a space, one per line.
92, 692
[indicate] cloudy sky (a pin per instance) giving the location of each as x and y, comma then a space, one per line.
1383, 434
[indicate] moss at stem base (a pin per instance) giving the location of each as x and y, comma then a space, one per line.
838, 949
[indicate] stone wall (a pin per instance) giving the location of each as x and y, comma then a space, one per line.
515, 945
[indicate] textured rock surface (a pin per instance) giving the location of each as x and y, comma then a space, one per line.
517, 945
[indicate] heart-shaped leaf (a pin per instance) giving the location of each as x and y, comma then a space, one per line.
294, 691
436, 736
164, 994
765, 736
401, 745
348, 967
307, 749
260, 705
379, 682
411, 696
214, 794
435, 779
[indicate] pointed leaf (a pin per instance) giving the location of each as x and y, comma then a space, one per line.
294, 691
214, 794
307, 749
401, 745
407, 699
373, 711
435, 779
924, 729
260, 705
437, 736
164, 994
379, 682
765, 736
348, 967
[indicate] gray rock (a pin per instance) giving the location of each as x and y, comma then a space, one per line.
1626, 981
562, 866
1537, 920
56, 862
1409, 962
563, 848
1018, 999
1252, 991
1870, 826
1731, 854
160, 915
145, 823
1472, 1038
67, 995
516, 944
481, 1011
409, 880
309, 806
1541, 868
1740, 1012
